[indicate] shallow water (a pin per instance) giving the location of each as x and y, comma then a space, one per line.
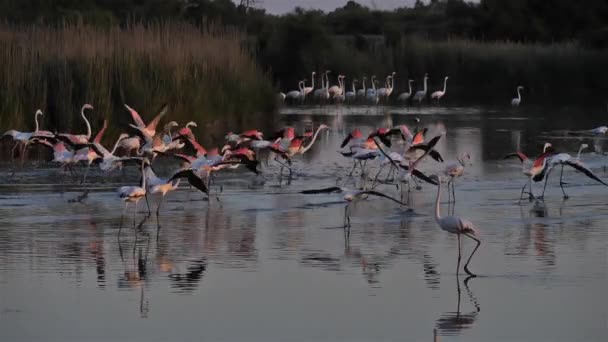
265, 263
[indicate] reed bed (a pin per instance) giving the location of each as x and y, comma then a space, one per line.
203, 74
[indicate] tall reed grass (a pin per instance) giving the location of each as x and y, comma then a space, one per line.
206, 75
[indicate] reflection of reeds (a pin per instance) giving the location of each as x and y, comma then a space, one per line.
205, 75
480, 71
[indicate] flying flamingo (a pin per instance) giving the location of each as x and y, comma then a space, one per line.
73, 139
456, 225
350, 196
297, 147
403, 97
455, 170
130, 145
439, 93
156, 185
22, 139
516, 101
421, 94
186, 131
532, 170
148, 130
564, 159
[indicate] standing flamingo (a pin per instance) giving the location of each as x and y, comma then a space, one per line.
361, 92
421, 94
515, 102
133, 194
455, 170
456, 225
403, 97
439, 93
352, 95
308, 90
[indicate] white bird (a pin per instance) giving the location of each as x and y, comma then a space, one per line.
403, 97
133, 194
439, 94
337, 89
156, 185
516, 101
421, 94
350, 196
148, 130
352, 95
308, 90
599, 130
455, 170
361, 92
295, 95
456, 225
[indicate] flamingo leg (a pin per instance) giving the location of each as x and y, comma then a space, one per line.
124, 211
353, 169
378, 174
521, 196
561, 182
86, 172
459, 255
158, 208
135, 214
453, 191
466, 268
147, 203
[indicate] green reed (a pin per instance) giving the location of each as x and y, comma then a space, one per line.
205, 75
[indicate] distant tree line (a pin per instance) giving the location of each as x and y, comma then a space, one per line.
512, 20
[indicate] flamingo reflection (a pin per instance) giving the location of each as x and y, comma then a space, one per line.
453, 323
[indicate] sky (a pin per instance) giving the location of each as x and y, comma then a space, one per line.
284, 6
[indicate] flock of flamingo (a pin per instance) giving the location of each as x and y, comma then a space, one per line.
365, 95
396, 148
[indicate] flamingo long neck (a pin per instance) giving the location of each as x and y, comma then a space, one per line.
364, 84
373, 85
354, 89
306, 148
437, 211
36, 119
143, 176
445, 84
392, 82
580, 149
87, 122
410, 86
116, 145
518, 94
425, 84
322, 81
312, 86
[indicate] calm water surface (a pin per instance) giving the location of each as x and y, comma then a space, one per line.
265, 263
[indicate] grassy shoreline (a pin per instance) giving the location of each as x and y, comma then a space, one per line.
204, 74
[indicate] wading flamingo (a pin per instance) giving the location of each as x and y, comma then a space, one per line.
456, 225
517, 101
403, 97
440, 93
421, 94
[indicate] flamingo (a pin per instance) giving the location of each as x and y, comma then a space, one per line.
392, 85
337, 89
564, 159
22, 139
515, 102
383, 91
455, 170
532, 170
80, 138
133, 194
439, 93
599, 130
109, 161
296, 94
421, 94
352, 95
361, 92
372, 96
350, 196
308, 90
456, 225
296, 146
156, 185
130, 145
148, 130
323, 93
403, 97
